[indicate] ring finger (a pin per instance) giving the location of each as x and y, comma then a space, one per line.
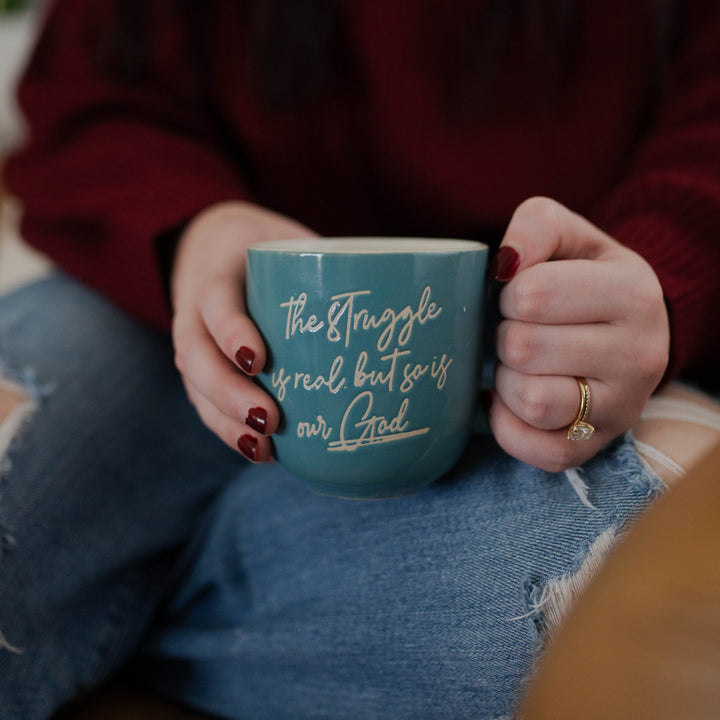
594, 349
547, 402
230, 391
255, 447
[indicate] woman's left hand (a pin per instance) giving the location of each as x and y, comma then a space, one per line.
577, 304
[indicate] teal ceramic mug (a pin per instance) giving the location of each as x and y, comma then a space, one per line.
373, 357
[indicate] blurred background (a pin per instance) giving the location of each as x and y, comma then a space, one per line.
18, 22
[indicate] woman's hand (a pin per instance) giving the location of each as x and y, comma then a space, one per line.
217, 347
577, 304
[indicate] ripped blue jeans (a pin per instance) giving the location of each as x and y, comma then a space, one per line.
132, 538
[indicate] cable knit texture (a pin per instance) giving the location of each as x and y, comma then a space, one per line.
110, 166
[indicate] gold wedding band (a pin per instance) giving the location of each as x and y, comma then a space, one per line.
579, 429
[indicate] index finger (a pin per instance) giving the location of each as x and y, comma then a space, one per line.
223, 310
566, 292
542, 229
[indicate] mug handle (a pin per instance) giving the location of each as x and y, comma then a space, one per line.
481, 424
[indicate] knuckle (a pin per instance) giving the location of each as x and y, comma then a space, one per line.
182, 340
534, 404
225, 339
184, 348
543, 209
176, 330
520, 346
179, 361
217, 392
650, 362
537, 205
561, 458
643, 356
205, 417
531, 298
646, 296
193, 400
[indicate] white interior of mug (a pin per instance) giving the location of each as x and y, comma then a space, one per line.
357, 245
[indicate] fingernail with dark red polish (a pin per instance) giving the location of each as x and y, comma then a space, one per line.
505, 264
248, 446
257, 419
245, 358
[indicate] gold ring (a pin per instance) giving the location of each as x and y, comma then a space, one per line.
579, 429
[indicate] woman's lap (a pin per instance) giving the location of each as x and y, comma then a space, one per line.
289, 604
432, 605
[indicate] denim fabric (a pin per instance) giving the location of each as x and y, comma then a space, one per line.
98, 493
284, 604
301, 606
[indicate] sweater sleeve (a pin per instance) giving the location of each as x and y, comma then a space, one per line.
668, 206
110, 165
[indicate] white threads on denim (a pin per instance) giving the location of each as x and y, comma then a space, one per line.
675, 409
667, 408
650, 452
559, 595
579, 485
535, 607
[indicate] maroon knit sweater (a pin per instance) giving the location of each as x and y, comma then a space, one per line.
109, 166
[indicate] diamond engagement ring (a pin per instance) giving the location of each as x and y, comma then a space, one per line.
579, 429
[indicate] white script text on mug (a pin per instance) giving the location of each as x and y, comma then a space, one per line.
390, 366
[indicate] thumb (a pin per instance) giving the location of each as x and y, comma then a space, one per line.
542, 229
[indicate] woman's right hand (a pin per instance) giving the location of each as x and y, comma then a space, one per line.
217, 347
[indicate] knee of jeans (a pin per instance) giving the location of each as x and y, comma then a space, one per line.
16, 406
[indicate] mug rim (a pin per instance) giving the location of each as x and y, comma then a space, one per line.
359, 245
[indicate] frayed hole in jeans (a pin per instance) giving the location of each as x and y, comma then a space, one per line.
15, 409
550, 602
